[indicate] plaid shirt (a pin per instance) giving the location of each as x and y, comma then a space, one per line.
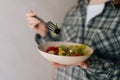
103, 35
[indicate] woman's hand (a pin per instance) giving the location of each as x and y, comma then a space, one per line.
83, 65
36, 25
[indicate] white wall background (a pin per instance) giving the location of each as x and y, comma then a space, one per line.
19, 59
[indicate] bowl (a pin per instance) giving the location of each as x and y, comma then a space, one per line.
65, 60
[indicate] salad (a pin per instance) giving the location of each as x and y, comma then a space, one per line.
71, 50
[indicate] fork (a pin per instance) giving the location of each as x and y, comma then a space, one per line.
49, 25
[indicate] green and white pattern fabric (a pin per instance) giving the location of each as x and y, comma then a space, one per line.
103, 35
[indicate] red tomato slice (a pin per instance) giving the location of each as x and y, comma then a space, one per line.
56, 50
76, 54
52, 48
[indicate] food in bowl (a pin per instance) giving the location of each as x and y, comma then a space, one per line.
66, 57
64, 50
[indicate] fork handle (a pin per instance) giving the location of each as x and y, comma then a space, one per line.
39, 19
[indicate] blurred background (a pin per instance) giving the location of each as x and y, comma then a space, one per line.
19, 59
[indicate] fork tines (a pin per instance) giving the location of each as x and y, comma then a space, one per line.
50, 26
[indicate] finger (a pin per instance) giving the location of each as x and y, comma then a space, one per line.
55, 65
31, 10
59, 65
32, 24
32, 19
30, 13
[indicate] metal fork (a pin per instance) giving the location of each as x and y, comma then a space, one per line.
49, 25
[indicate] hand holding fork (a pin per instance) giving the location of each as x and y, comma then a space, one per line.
39, 26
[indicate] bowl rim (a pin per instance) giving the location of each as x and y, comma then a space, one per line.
63, 56
64, 42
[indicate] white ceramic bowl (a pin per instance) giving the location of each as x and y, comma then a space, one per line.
66, 60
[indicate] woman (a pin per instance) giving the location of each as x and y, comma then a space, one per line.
94, 23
